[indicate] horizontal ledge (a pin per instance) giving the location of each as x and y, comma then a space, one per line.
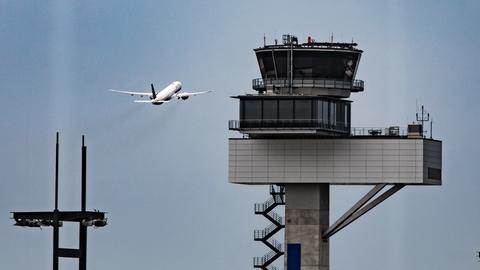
73, 216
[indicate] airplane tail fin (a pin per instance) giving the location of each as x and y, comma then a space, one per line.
154, 96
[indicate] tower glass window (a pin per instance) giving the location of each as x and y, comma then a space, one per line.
322, 111
299, 112
285, 109
332, 114
308, 64
303, 109
252, 109
346, 116
340, 115
270, 109
271, 62
318, 110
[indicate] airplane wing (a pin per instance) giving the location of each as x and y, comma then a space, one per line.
151, 101
187, 94
140, 94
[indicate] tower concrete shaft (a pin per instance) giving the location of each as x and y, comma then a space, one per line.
307, 212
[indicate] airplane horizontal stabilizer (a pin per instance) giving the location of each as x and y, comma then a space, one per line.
143, 101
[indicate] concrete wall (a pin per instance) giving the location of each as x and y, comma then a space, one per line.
353, 160
306, 218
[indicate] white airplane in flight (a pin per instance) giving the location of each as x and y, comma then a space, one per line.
168, 93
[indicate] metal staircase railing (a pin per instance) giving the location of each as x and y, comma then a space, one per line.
266, 209
275, 218
260, 261
276, 244
266, 233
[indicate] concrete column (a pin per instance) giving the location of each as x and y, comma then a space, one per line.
306, 217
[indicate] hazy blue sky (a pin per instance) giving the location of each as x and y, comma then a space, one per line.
161, 172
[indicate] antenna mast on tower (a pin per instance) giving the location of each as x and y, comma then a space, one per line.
422, 118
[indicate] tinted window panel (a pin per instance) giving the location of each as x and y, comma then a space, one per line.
340, 114
253, 109
332, 113
325, 112
285, 109
346, 115
303, 109
270, 109
309, 64
319, 110
281, 63
265, 63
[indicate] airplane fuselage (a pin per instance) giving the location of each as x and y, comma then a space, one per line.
167, 93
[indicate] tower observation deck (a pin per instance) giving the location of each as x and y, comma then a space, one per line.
302, 89
297, 138
312, 68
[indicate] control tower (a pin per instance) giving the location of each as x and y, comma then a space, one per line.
297, 138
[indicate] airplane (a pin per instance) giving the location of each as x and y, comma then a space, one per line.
164, 96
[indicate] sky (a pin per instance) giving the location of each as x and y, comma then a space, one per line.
161, 171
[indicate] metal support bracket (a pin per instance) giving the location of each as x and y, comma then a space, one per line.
358, 209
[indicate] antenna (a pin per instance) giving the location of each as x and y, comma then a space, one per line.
424, 117
264, 40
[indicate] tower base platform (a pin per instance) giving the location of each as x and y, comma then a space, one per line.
362, 160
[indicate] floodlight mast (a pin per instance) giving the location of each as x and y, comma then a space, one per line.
56, 230
56, 217
298, 139
82, 228
56, 172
